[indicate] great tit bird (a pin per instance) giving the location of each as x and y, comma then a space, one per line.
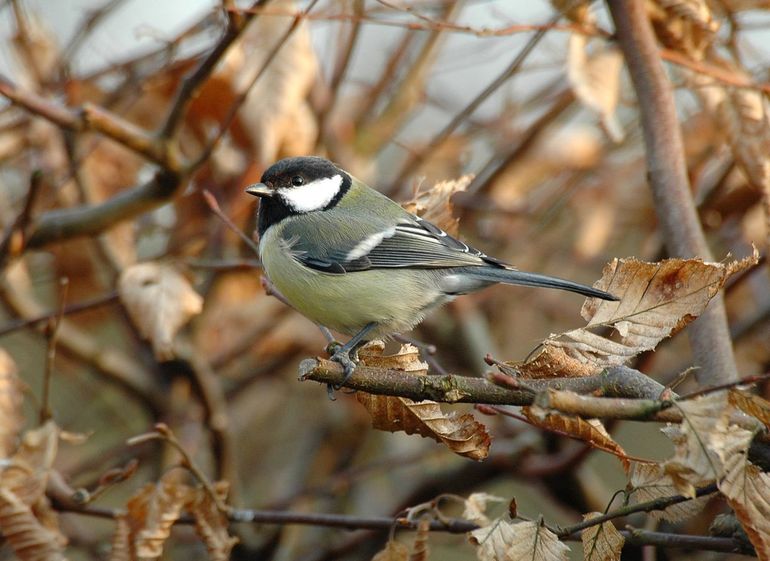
353, 260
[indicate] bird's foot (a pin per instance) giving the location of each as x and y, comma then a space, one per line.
348, 363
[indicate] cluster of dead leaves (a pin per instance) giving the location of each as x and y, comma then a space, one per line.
711, 446
145, 525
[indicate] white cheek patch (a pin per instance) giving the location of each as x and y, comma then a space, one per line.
312, 196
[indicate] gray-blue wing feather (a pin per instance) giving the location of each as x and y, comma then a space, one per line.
372, 244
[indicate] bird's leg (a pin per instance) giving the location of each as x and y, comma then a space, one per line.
347, 354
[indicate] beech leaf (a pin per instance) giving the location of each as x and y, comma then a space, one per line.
591, 431
435, 204
602, 542
159, 301
747, 489
656, 301
211, 523
462, 434
30, 540
700, 434
507, 541
649, 482
751, 404
11, 400
394, 551
595, 79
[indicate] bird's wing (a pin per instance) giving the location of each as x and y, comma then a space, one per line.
411, 243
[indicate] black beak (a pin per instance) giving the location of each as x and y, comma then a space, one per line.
260, 190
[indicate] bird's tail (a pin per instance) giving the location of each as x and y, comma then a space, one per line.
512, 276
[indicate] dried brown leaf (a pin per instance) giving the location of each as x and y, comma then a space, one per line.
274, 115
751, 404
120, 549
163, 509
685, 25
747, 489
462, 434
407, 358
657, 300
695, 461
435, 204
30, 540
595, 78
11, 400
26, 472
211, 523
649, 482
159, 301
476, 507
394, 551
420, 549
591, 431
506, 541
602, 542
150, 513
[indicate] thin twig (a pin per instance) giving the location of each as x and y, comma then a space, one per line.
52, 333
416, 160
235, 105
213, 204
386, 523
661, 503
70, 309
236, 23
17, 231
164, 433
435, 25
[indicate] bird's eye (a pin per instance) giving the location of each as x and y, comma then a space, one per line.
297, 180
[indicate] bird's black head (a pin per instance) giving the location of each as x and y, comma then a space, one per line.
298, 186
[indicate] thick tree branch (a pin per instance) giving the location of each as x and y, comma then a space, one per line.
667, 169
94, 219
94, 118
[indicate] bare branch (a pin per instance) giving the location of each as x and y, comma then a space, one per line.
667, 171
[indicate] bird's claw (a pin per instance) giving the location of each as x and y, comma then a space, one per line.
348, 365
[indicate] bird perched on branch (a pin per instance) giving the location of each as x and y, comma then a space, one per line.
353, 260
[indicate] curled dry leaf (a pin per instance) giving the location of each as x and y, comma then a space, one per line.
420, 549
463, 434
26, 473
590, 431
394, 551
595, 79
649, 482
30, 540
602, 542
120, 549
159, 301
750, 404
11, 400
657, 300
151, 513
506, 541
211, 523
747, 489
406, 359
435, 204
476, 507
